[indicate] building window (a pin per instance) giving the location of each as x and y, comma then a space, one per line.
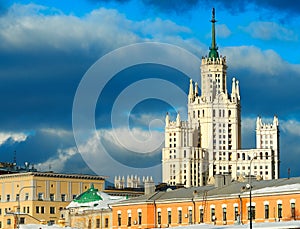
37, 209
97, 223
63, 197
279, 211
51, 196
106, 223
190, 216
158, 217
169, 217
129, 219
40, 196
236, 213
26, 196
7, 197
266, 211
293, 210
52, 210
17, 197
119, 219
139, 218
28, 210
212, 214
201, 216
252, 212
8, 221
224, 214
42, 209
22, 220
179, 216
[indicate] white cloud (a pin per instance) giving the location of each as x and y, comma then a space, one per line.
291, 127
266, 62
14, 136
57, 163
270, 30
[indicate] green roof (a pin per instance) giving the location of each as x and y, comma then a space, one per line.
90, 195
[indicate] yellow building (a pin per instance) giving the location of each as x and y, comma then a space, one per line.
38, 197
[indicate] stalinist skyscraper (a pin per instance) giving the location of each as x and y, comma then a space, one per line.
209, 142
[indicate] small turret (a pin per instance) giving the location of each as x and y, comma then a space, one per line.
196, 89
178, 119
167, 119
191, 92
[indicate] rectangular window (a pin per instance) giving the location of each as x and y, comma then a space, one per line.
74, 196
51, 196
279, 211
26, 196
293, 210
40, 196
37, 209
97, 223
179, 216
8, 221
266, 211
201, 216
28, 210
252, 212
42, 209
139, 218
224, 214
129, 220
106, 223
190, 216
17, 197
7, 197
236, 213
169, 217
22, 220
63, 197
52, 210
212, 215
119, 219
158, 217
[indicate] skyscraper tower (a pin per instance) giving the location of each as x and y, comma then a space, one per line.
209, 142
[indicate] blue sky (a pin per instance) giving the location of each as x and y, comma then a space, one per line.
47, 47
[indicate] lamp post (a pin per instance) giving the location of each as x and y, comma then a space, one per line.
18, 209
249, 186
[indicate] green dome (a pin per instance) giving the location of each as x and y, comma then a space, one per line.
90, 195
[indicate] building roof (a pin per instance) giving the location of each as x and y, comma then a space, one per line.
93, 199
57, 175
234, 189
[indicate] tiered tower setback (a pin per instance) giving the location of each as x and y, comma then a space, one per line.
209, 142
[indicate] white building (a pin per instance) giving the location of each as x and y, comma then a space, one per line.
209, 142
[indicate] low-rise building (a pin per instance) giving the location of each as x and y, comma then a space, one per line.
90, 210
226, 203
38, 197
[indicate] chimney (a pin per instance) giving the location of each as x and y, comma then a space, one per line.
222, 180
149, 186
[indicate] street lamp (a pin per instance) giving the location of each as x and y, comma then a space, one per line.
249, 186
18, 209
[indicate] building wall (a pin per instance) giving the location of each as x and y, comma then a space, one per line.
191, 210
36, 202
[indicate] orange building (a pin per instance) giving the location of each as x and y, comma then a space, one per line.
226, 203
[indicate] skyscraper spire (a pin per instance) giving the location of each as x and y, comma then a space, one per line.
213, 53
